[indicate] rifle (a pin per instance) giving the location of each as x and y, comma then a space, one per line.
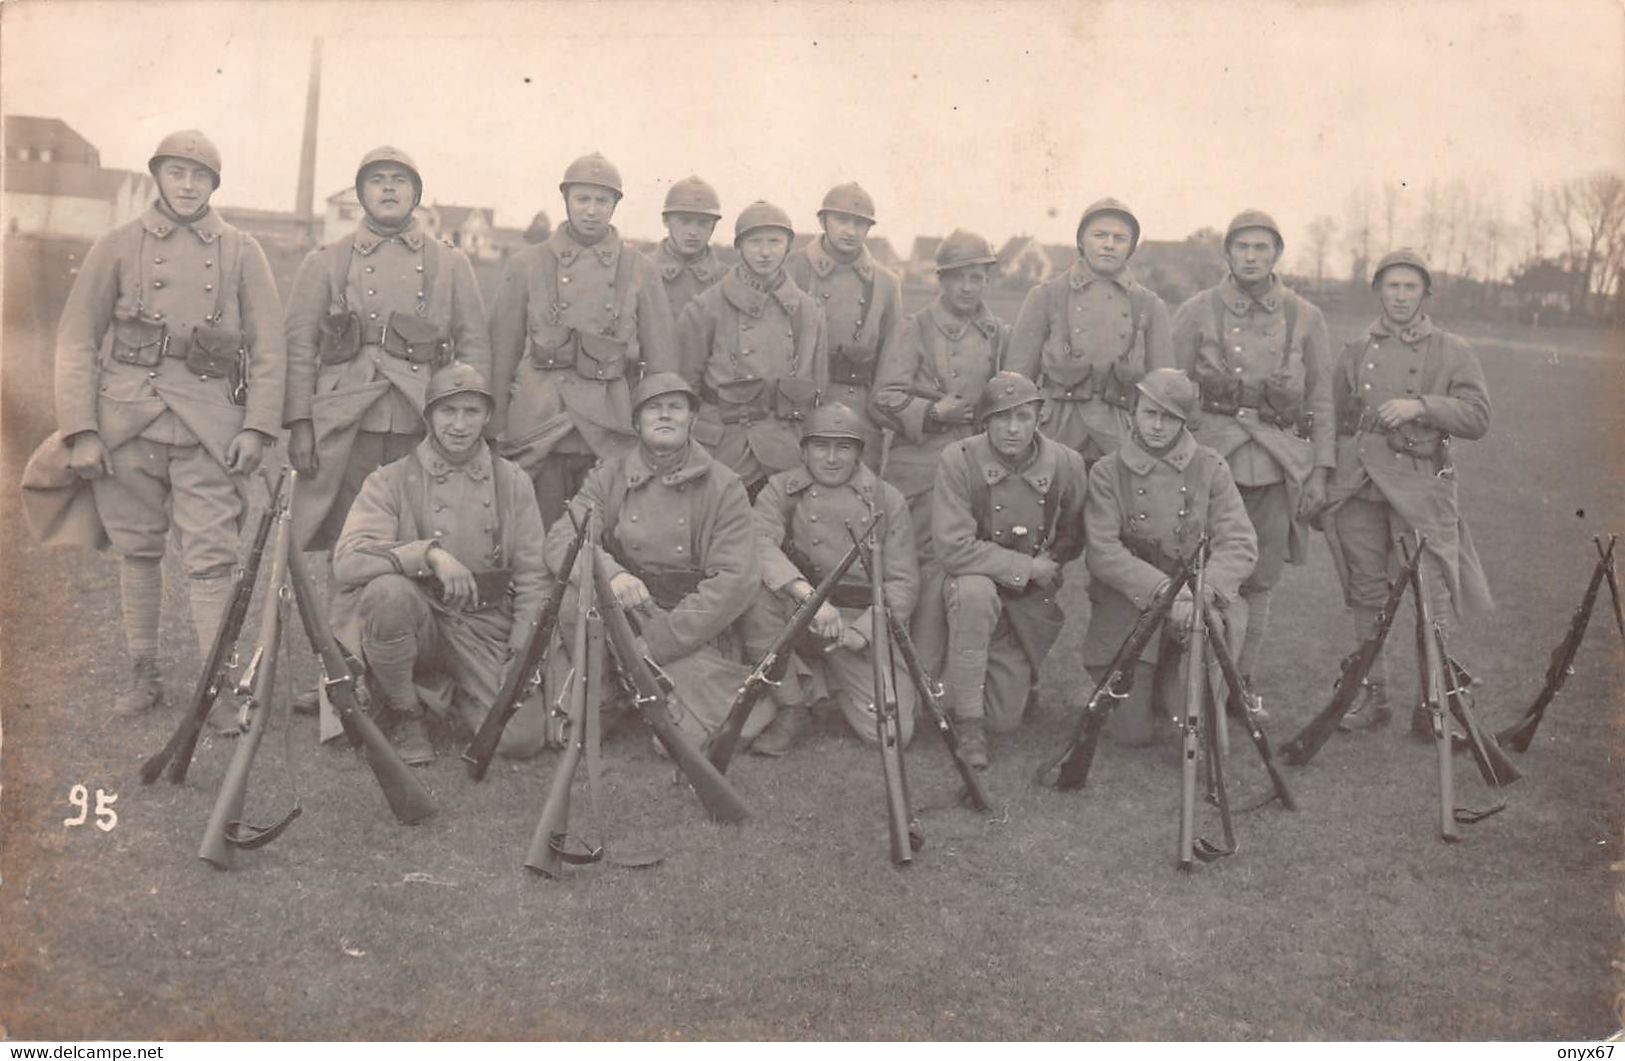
1607, 556
1195, 706
1238, 689
1522, 732
1351, 677
770, 671
177, 754
1493, 764
548, 851
931, 693
343, 679
1079, 754
523, 673
225, 830
1433, 697
904, 828
651, 689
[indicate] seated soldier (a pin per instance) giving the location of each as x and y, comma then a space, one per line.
440, 572
676, 530
1149, 504
1007, 514
802, 521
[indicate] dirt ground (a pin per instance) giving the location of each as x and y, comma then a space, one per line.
1060, 917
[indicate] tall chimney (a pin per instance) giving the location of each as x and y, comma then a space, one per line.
305, 207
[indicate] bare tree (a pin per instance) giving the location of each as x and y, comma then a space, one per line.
1320, 242
1357, 231
1430, 221
1599, 206
1537, 206
1390, 211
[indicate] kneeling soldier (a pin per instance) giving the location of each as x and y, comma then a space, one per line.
440, 571
676, 530
803, 517
1007, 514
1149, 505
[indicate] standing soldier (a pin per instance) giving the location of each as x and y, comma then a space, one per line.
577, 320
926, 389
754, 347
861, 300
1007, 515
1089, 335
685, 259
370, 318
440, 571
804, 521
1260, 355
1402, 392
169, 380
677, 532
1150, 504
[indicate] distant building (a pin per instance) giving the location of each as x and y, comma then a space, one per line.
269, 226
55, 185
469, 228
30, 139
344, 213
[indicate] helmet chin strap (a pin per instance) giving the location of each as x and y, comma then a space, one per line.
176, 215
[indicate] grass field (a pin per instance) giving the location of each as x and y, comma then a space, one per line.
1060, 917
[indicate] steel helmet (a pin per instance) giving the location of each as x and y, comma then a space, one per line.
592, 169
1172, 391
1403, 256
191, 146
961, 248
1005, 390
835, 420
459, 377
692, 196
851, 199
394, 156
1254, 219
761, 214
1115, 207
653, 386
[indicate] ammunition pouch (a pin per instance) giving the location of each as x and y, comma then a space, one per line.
601, 357
494, 587
854, 367
1065, 367
1412, 439
139, 342
851, 595
740, 401
411, 338
1152, 552
338, 338
552, 357
668, 588
1118, 386
794, 397
220, 353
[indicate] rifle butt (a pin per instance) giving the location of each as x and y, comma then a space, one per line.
554, 825
719, 750
722, 802
228, 804
483, 747
408, 799
1519, 735
1080, 755
898, 815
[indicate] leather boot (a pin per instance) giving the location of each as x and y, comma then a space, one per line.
412, 741
145, 692
308, 702
972, 741
789, 724
1370, 711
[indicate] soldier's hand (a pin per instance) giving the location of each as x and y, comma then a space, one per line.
246, 451
1397, 411
852, 639
1045, 569
630, 591
826, 623
457, 585
951, 409
1179, 616
1314, 495
87, 456
302, 447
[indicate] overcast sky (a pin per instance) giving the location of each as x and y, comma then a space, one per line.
999, 117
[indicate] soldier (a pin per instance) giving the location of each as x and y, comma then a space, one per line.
169, 381
1401, 393
1149, 505
1007, 515
370, 318
1089, 335
576, 321
754, 347
685, 259
804, 521
677, 530
861, 300
440, 571
1260, 355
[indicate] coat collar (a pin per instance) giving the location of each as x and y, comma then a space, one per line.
564, 245
862, 483
1140, 462
707, 268
1039, 473
954, 326
477, 467
1081, 275
1419, 329
207, 228
752, 302
697, 466
1240, 301
367, 241
824, 263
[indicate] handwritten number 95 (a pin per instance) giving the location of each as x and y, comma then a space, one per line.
106, 816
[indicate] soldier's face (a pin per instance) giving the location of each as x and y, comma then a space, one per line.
185, 186
962, 288
1106, 242
1402, 290
663, 422
590, 209
1157, 426
459, 421
1011, 432
690, 233
1252, 253
388, 193
764, 250
844, 231
831, 460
